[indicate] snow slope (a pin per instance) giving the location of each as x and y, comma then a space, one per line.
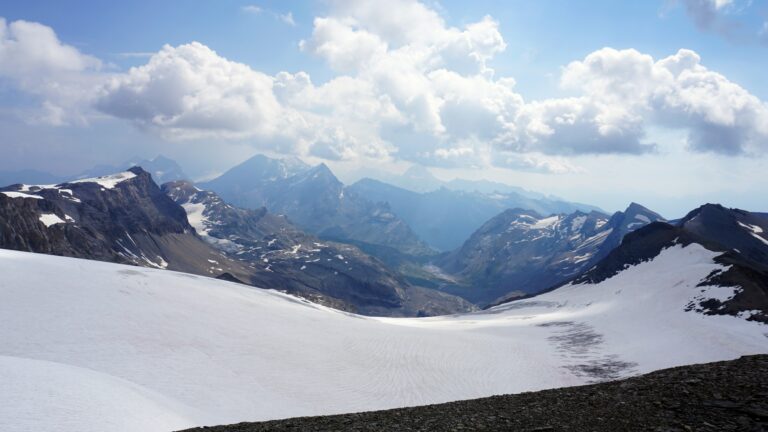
95, 346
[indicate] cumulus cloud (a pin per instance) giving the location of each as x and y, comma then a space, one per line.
677, 92
32, 56
189, 91
534, 162
408, 86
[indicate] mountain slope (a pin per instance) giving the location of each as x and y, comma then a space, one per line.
445, 218
198, 351
737, 237
123, 218
288, 259
318, 202
522, 252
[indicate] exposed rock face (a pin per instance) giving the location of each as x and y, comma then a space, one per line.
286, 258
521, 252
741, 236
317, 201
722, 396
123, 218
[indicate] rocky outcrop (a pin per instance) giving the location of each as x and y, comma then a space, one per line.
520, 252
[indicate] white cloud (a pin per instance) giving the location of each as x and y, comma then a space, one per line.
252, 9
32, 56
190, 92
287, 18
676, 92
410, 87
535, 162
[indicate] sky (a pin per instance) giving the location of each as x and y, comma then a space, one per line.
603, 102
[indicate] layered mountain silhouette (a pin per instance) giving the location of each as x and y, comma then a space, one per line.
521, 252
314, 199
447, 216
126, 218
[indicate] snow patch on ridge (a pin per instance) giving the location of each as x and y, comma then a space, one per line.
108, 181
50, 219
20, 195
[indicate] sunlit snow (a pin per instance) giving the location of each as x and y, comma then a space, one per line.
91, 346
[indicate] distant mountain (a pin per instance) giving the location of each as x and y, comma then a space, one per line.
123, 218
740, 240
445, 218
318, 202
161, 168
418, 178
28, 176
522, 252
288, 259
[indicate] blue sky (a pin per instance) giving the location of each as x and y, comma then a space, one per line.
517, 91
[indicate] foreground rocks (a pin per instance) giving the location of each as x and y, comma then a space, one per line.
722, 396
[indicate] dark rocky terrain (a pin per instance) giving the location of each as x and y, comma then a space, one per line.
446, 217
714, 397
132, 222
522, 252
288, 259
314, 199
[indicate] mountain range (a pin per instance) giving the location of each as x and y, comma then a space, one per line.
286, 258
444, 218
314, 199
161, 168
283, 224
126, 218
168, 331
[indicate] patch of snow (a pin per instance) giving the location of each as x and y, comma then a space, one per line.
642, 218
581, 258
546, 222
108, 181
196, 217
760, 238
578, 222
20, 195
754, 228
50, 219
600, 222
71, 196
48, 395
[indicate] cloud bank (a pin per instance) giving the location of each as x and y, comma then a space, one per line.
408, 86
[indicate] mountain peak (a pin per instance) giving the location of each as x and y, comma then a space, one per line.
321, 171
